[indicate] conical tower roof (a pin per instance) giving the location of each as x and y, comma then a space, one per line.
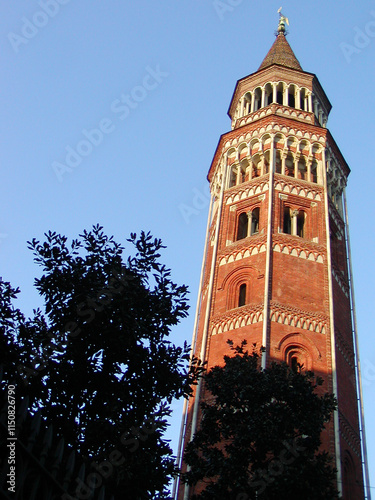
282, 54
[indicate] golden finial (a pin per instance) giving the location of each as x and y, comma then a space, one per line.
281, 28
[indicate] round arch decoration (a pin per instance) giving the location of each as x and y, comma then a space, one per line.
300, 346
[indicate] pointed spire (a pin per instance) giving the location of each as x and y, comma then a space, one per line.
281, 52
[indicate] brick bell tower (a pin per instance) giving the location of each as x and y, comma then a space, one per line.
276, 268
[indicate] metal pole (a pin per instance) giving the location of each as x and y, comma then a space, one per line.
357, 360
268, 256
332, 327
208, 307
193, 342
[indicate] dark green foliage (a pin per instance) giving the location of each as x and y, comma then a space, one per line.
106, 371
260, 434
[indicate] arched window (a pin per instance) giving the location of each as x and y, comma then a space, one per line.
242, 295
254, 221
303, 100
256, 166
243, 171
289, 165
301, 224
297, 358
257, 98
302, 169
314, 171
247, 103
269, 94
233, 177
280, 94
294, 364
291, 96
349, 479
278, 162
287, 222
242, 226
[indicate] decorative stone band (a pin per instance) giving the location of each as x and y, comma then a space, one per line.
350, 435
298, 252
242, 253
341, 281
299, 188
257, 247
337, 218
237, 318
279, 110
274, 128
248, 315
298, 318
247, 191
345, 348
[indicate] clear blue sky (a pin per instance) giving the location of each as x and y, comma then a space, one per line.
68, 69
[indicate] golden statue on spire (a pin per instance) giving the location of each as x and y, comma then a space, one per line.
281, 28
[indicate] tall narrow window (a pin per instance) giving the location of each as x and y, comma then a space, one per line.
291, 97
242, 295
302, 169
257, 98
349, 477
301, 224
247, 106
242, 226
233, 177
278, 162
289, 165
280, 94
314, 172
269, 94
287, 223
294, 363
254, 221
243, 173
297, 359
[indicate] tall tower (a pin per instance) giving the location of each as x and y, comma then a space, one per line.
276, 268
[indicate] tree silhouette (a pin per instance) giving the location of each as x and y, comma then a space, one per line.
100, 365
259, 436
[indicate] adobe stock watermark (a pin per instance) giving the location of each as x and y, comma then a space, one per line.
121, 108
199, 202
31, 27
3, 236
367, 374
275, 468
223, 7
362, 38
131, 441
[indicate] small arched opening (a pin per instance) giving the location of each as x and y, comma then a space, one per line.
301, 217
302, 169
280, 93
269, 94
257, 98
254, 221
287, 221
289, 165
292, 96
278, 162
233, 177
242, 295
314, 171
242, 226
247, 103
